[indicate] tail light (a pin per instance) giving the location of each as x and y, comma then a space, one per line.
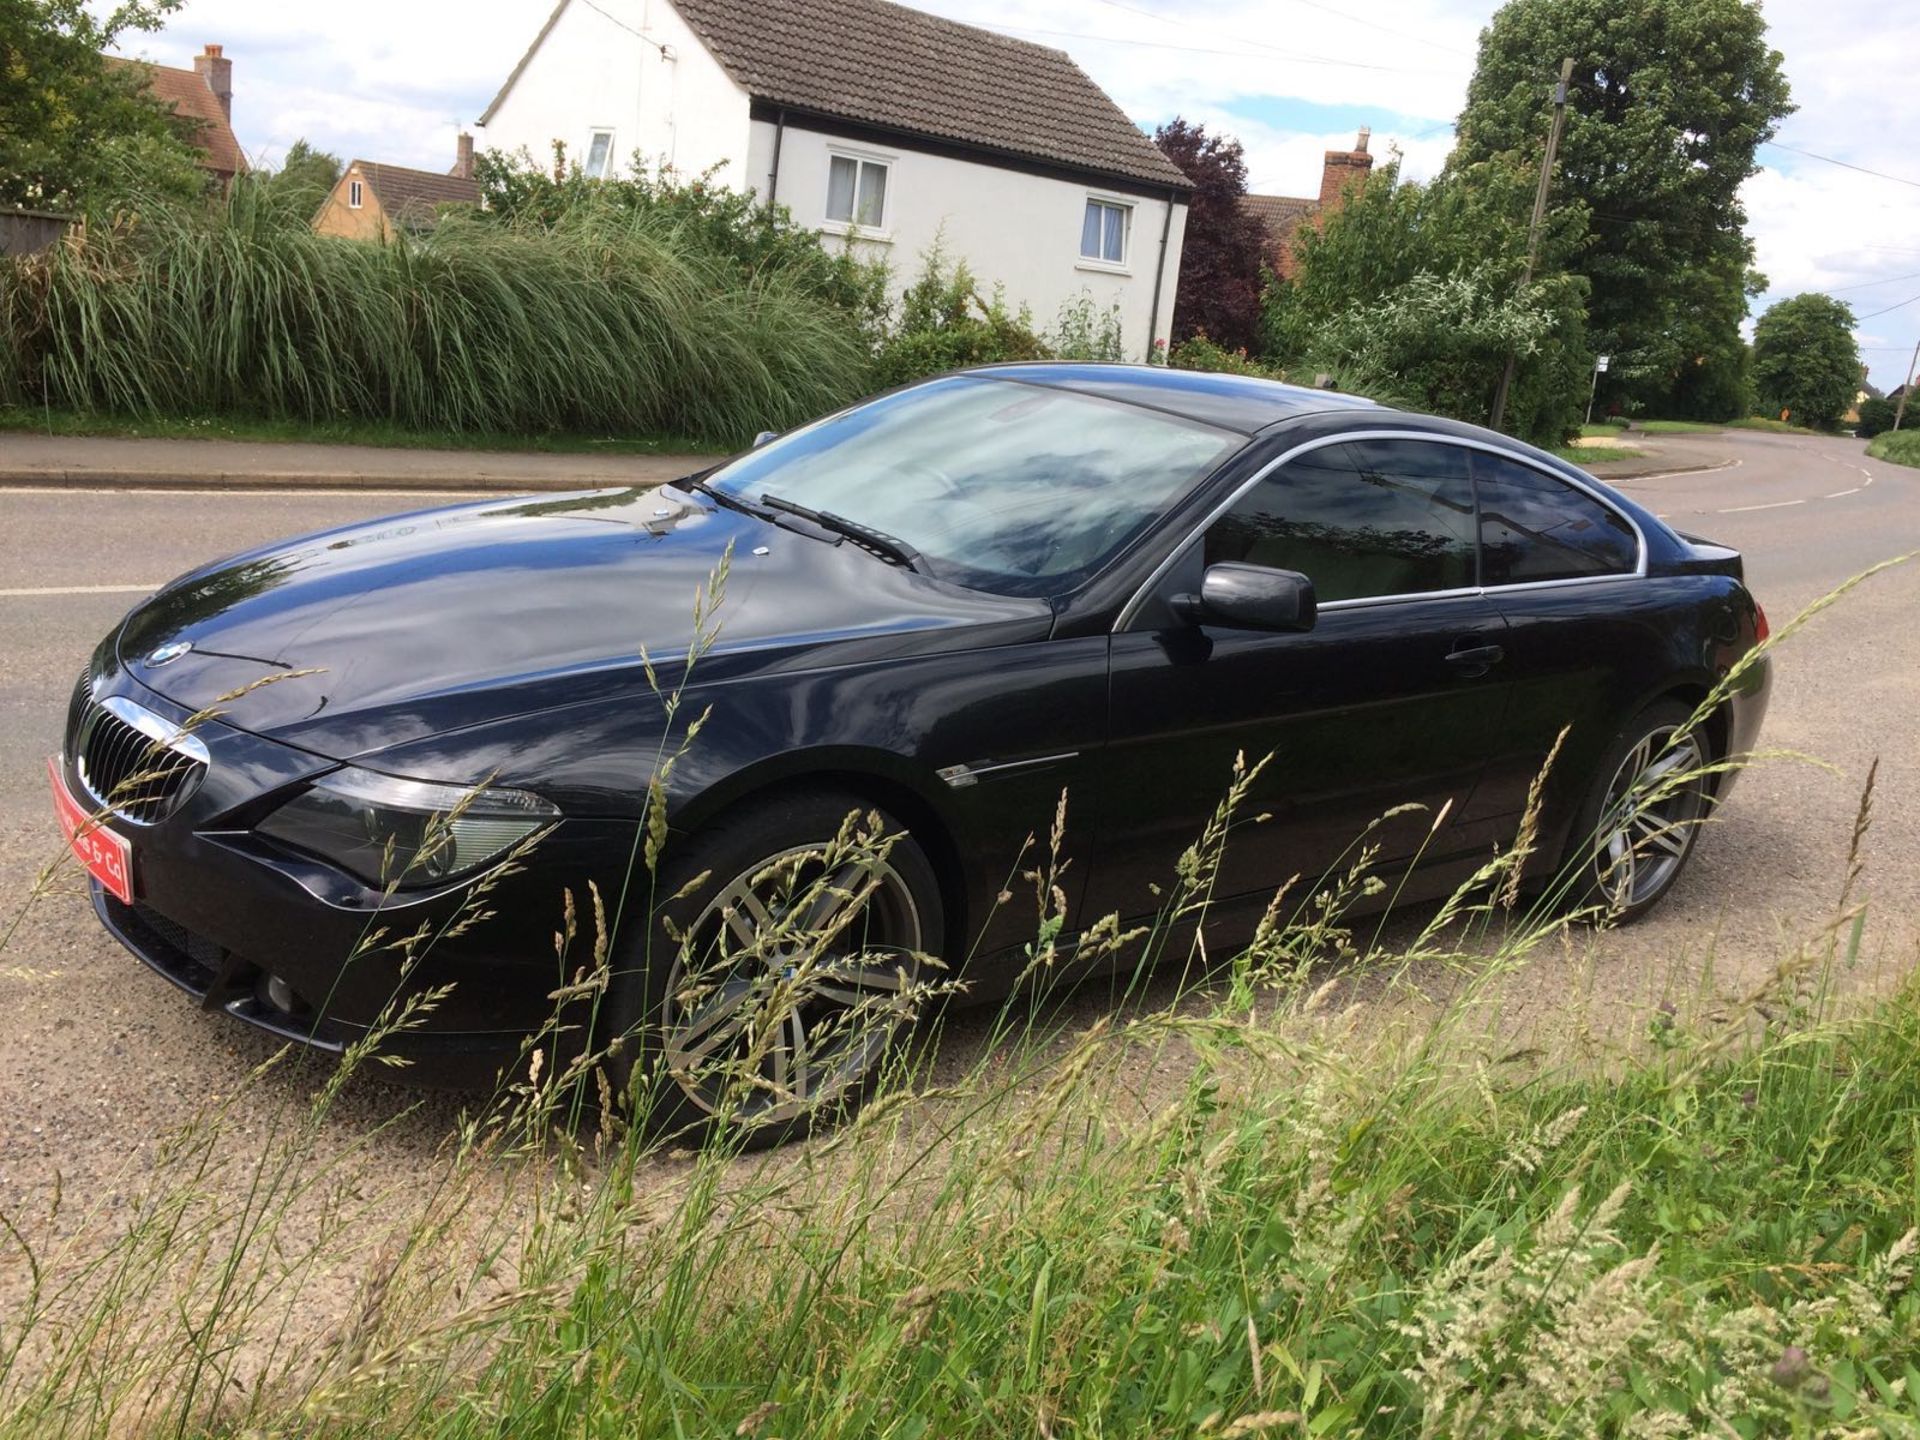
1761, 630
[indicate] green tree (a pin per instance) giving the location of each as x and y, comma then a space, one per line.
1223, 260
1805, 361
1711, 375
1669, 102
76, 132
1410, 292
305, 178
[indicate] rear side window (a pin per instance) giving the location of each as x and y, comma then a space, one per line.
1361, 520
1534, 527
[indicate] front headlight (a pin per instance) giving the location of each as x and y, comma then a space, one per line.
408, 832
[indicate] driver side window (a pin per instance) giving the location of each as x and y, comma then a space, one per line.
1362, 519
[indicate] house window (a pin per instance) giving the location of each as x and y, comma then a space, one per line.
354, 194
1103, 232
857, 191
600, 154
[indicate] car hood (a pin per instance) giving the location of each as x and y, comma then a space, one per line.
370, 635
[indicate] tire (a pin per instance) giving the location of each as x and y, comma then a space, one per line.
1634, 834
730, 1021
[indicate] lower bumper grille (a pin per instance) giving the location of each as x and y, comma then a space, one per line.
217, 978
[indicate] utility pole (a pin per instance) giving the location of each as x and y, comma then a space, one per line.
1905, 390
1533, 229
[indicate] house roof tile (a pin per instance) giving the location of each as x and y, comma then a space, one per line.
1279, 213
885, 65
191, 100
411, 198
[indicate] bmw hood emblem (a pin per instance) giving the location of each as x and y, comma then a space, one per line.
168, 653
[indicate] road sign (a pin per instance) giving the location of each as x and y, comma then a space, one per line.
1600, 363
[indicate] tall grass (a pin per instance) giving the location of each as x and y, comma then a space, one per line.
604, 321
1233, 1205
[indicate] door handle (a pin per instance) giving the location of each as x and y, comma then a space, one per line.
1476, 659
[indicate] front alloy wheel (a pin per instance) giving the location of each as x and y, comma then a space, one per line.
792, 985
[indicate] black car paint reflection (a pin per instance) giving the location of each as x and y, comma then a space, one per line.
502, 643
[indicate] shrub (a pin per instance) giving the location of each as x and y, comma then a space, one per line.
1199, 353
1082, 332
732, 226
1876, 415
945, 323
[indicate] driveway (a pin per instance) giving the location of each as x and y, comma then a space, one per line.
98, 1057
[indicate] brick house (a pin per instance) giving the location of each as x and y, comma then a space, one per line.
372, 201
1284, 214
203, 99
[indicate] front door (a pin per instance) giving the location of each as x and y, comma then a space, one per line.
1376, 720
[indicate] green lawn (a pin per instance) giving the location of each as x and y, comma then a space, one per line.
334, 432
1593, 454
1677, 427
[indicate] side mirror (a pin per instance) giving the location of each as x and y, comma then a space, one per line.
1250, 597
764, 436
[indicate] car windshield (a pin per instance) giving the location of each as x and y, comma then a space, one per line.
1013, 488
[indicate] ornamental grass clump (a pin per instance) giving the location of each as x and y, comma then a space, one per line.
602, 321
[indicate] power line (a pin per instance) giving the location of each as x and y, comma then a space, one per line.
1082, 36
1845, 164
1313, 4
1869, 284
1862, 319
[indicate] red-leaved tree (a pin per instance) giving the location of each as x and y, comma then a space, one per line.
1223, 260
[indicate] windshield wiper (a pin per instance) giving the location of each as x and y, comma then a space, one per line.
890, 548
732, 502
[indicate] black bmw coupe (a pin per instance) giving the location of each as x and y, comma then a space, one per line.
945, 606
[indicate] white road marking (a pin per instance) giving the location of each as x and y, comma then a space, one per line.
1838, 493
1776, 505
82, 590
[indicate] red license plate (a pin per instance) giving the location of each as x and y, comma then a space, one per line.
107, 856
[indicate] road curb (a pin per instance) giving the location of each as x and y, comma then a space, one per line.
1649, 471
312, 480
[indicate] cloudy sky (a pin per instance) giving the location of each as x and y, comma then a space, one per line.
395, 79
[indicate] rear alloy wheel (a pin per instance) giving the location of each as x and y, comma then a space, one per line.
1639, 836
789, 976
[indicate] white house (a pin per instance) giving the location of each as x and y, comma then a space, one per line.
873, 121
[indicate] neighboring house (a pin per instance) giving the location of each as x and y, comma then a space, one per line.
893, 128
203, 97
1284, 214
376, 202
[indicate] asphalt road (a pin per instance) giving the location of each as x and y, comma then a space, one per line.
98, 1057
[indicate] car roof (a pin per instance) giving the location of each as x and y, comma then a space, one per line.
1244, 403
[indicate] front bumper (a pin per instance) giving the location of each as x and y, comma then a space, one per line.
303, 951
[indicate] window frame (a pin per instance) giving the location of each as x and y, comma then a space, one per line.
1124, 204
356, 194
606, 161
860, 159
1640, 540
1197, 535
